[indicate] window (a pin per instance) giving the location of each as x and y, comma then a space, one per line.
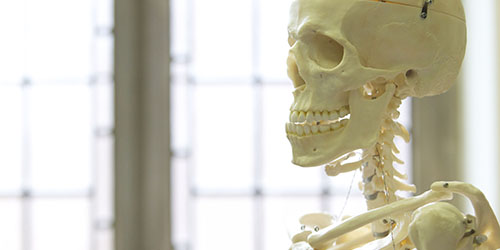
56, 95
233, 183
480, 95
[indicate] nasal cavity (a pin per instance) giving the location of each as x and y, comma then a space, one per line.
326, 52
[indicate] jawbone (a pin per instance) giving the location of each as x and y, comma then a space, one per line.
361, 131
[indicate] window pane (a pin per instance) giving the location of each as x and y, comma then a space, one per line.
341, 183
10, 226
224, 224
58, 39
181, 96
273, 39
104, 179
104, 13
104, 104
218, 122
11, 130
279, 172
277, 214
223, 132
222, 39
11, 51
180, 202
60, 130
356, 204
60, 224
103, 63
179, 27
480, 100
104, 240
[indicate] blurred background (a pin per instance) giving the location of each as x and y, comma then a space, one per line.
159, 124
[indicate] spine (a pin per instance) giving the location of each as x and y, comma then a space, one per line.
381, 180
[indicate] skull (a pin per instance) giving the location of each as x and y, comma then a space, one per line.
349, 58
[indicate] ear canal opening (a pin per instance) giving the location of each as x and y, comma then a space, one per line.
411, 76
411, 73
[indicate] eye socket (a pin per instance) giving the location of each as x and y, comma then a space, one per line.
325, 51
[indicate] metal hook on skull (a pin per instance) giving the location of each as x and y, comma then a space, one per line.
425, 9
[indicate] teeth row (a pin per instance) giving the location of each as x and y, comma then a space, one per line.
313, 117
302, 129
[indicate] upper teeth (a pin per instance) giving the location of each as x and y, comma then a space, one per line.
311, 122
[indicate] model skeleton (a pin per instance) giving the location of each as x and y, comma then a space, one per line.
352, 62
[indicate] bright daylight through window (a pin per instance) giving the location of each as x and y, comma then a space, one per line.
57, 119
232, 170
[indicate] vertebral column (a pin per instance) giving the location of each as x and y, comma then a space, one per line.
380, 179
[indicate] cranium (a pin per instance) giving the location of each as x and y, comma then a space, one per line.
349, 58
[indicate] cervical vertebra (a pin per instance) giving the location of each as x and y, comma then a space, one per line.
352, 62
338, 47
380, 179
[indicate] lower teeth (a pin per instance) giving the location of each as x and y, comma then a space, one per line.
307, 129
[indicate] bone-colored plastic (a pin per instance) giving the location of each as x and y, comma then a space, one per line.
302, 245
307, 224
351, 63
337, 46
487, 223
438, 226
447, 7
324, 237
